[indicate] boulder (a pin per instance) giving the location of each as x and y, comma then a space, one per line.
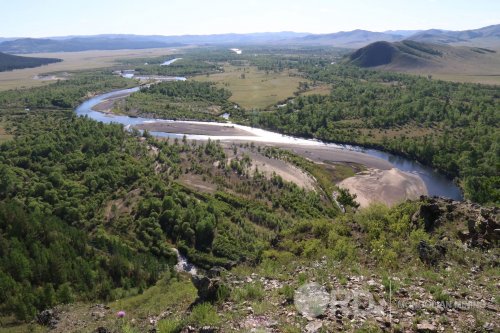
48, 318
207, 288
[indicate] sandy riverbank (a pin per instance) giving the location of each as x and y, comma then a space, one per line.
195, 128
385, 186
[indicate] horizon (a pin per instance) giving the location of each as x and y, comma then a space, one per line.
239, 33
78, 18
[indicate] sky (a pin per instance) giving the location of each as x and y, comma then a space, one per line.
44, 18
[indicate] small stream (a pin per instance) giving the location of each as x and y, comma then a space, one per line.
436, 183
183, 265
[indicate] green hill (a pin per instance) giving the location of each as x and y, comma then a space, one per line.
427, 58
9, 62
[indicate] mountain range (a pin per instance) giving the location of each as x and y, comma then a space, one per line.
488, 37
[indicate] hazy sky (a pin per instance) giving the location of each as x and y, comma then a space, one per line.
41, 18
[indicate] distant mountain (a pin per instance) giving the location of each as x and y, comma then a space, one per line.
9, 62
412, 56
405, 33
488, 36
32, 45
2, 39
116, 42
349, 39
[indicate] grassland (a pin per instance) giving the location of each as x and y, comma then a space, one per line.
72, 61
253, 88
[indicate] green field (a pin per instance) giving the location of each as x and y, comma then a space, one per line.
253, 88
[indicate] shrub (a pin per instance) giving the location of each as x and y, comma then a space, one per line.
204, 315
169, 326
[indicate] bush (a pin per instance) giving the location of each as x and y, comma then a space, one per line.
288, 292
204, 315
169, 326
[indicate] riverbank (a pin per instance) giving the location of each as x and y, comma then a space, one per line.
389, 187
424, 179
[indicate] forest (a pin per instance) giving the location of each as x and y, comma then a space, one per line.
179, 100
453, 127
88, 210
10, 62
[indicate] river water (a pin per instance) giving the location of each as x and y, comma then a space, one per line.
436, 183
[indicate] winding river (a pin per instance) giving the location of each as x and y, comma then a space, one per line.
436, 183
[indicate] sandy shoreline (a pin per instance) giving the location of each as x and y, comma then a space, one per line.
385, 186
195, 129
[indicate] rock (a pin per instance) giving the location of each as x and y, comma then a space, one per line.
489, 327
430, 212
314, 326
215, 271
429, 254
207, 287
208, 329
426, 328
482, 223
102, 329
48, 318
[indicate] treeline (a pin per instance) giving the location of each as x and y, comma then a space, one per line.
190, 91
10, 62
453, 127
64, 93
185, 100
182, 67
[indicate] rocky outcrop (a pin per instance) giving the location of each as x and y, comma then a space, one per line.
48, 318
208, 288
430, 254
475, 225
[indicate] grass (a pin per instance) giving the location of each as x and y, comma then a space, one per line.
250, 291
72, 61
181, 293
257, 90
11, 325
320, 89
204, 314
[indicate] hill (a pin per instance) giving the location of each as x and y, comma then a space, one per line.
33, 45
349, 39
488, 37
412, 56
9, 62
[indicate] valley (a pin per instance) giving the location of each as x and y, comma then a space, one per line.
267, 182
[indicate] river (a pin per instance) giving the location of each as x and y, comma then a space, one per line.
436, 183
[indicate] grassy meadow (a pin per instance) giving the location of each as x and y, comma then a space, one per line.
253, 88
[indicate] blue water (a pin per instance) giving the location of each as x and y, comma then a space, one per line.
436, 183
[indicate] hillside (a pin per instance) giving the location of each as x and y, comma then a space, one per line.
349, 39
488, 37
9, 62
33, 45
426, 58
